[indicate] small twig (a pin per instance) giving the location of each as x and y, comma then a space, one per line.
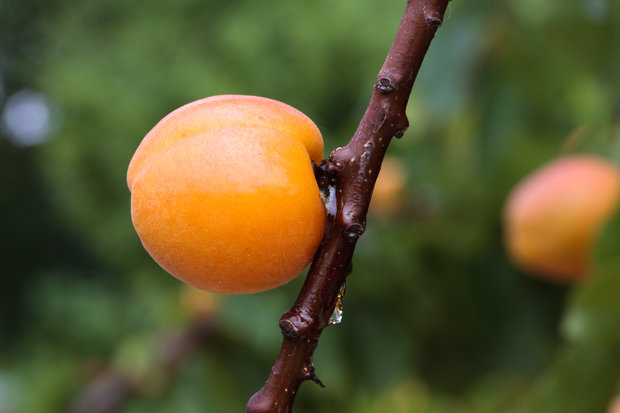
108, 390
349, 174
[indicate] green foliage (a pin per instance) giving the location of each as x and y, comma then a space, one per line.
436, 318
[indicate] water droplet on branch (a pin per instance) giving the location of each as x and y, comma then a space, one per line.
336, 317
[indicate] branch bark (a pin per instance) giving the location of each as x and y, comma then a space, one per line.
347, 178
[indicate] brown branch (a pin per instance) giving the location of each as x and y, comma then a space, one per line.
348, 175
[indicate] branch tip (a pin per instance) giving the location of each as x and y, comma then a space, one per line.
433, 18
310, 375
289, 331
385, 85
353, 231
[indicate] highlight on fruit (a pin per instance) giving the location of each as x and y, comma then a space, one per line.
223, 193
553, 217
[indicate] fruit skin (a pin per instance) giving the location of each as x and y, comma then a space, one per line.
228, 208
227, 111
552, 218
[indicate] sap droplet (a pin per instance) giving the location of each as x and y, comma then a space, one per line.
336, 317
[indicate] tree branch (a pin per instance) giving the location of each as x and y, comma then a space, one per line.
347, 178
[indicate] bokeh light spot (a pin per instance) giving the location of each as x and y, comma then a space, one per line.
27, 118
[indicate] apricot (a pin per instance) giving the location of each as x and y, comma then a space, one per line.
552, 217
223, 194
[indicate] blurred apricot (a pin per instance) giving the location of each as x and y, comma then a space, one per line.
388, 193
614, 407
223, 194
199, 304
553, 216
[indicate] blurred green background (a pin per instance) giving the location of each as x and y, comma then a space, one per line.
436, 318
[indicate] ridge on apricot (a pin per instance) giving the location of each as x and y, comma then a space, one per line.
226, 111
223, 194
553, 216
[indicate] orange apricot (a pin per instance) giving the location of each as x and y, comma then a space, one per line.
227, 111
229, 207
552, 218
